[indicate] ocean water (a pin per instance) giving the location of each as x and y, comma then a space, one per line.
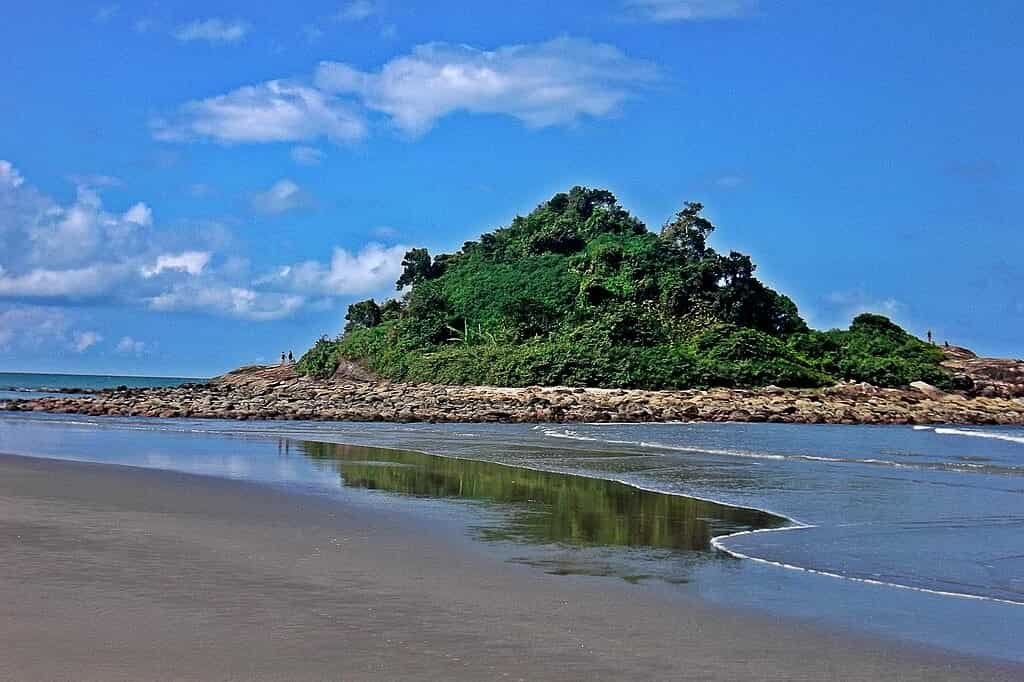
914, 533
30, 385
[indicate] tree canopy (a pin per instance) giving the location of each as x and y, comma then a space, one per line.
580, 292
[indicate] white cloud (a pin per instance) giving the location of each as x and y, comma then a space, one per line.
74, 283
358, 10
275, 111
374, 268
139, 214
544, 84
558, 82
65, 254
191, 262
130, 346
9, 175
307, 156
233, 301
689, 10
37, 231
212, 30
30, 325
83, 341
284, 195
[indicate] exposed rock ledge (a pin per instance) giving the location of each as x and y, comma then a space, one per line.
277, 393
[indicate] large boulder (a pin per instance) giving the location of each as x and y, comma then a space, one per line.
928, 389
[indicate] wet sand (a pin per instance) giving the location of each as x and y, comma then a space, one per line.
111, 573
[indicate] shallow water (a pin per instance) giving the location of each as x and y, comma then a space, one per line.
910, 532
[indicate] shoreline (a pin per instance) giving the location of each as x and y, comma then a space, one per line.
717, 542
200, 577
277, 393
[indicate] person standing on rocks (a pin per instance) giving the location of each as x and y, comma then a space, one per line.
291, 360
282, 357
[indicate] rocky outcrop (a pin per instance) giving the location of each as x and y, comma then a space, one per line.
985, 377
278, 393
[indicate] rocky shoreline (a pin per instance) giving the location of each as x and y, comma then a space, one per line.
277, 393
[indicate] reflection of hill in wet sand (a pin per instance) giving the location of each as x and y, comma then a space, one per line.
546, 507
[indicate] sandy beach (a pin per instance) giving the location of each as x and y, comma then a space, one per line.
111, 573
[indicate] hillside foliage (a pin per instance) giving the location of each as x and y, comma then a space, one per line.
580, 293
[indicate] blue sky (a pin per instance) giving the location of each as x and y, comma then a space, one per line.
187, 187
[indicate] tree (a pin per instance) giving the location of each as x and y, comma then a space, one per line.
579, 292
391, 310
363, 315
688, 231
416, 267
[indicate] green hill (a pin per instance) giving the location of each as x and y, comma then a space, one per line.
581, 293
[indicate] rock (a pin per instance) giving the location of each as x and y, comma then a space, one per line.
928, 389
277, 393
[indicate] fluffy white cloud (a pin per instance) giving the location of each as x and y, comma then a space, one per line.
284, 195
34, 327
83, 341
30, 325
557, 82
37, 231
64, 254
212, 30
73, 283
130, 346
275, 111
544, 84
139, 214
689, 10
233, 301
9, 175
372, 269
307, 156
191, 262
80, 250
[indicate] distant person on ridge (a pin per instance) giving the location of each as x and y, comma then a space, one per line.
291, 360
282, 357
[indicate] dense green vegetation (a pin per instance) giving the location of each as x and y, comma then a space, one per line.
581, 293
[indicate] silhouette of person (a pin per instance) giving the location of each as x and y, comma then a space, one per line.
929, 336
282, 357
290, 358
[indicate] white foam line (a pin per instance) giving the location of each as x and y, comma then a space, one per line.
979, 434
718, 543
